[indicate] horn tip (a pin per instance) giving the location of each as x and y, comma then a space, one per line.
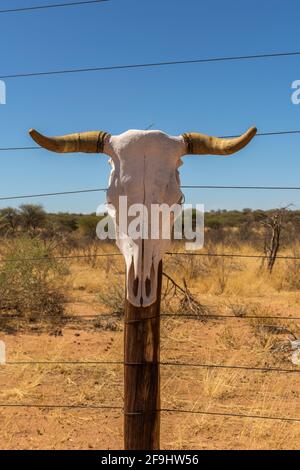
33, 133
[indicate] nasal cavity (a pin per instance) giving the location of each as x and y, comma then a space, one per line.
135, 286
148, 287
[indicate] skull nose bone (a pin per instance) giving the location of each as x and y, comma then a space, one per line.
147, 289
140, 290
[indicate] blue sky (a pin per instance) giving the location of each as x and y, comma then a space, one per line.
217, 98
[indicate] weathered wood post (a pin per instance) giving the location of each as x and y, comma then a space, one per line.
142, 375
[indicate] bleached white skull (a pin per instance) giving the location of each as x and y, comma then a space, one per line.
145, 169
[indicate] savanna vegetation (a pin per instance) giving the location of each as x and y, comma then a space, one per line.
60, 301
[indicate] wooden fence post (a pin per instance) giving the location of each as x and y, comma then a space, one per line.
142, 375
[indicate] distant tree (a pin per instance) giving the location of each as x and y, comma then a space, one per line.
273, 224
63, 222
9, 220
32, 217
87, 225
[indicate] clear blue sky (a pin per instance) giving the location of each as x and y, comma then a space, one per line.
217, 98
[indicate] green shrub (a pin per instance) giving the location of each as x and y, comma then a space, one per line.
31, 280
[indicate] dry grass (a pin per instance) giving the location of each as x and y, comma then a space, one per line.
237, 287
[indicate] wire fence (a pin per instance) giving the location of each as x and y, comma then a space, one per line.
244, 368
105, 407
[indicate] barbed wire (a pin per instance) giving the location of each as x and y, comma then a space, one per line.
169, 253
213, 316
60, 193
245, 368
230, 367
161, 410
51, 5
231, 255
152, 64
119, 315
81, 191
231, 415
46, 406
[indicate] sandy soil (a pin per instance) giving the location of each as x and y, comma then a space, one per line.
231, 341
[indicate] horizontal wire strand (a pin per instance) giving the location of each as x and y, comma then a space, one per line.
231, 415
162, 363
46, 406
151, 64
163, 315
162, 410
169, 253
118, 315
60, 193
51, 5
94, 190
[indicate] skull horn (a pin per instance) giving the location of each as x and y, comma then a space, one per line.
87, 142
198, 144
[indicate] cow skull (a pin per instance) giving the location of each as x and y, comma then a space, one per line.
145, 169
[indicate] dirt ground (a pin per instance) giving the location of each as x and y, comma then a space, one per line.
75, 388
231, 341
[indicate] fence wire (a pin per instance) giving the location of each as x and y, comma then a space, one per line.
169, 253
162, 410
51, 5
95, 190
162, 363
146, 65
119, 315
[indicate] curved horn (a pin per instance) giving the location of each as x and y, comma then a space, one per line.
87, 142
198, 144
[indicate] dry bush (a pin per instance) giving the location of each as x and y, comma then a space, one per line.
265, 328
227, 339
291, 275
107, 324
113, 297
190, 267
237, 309
31, 280
176, 298
179, 299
